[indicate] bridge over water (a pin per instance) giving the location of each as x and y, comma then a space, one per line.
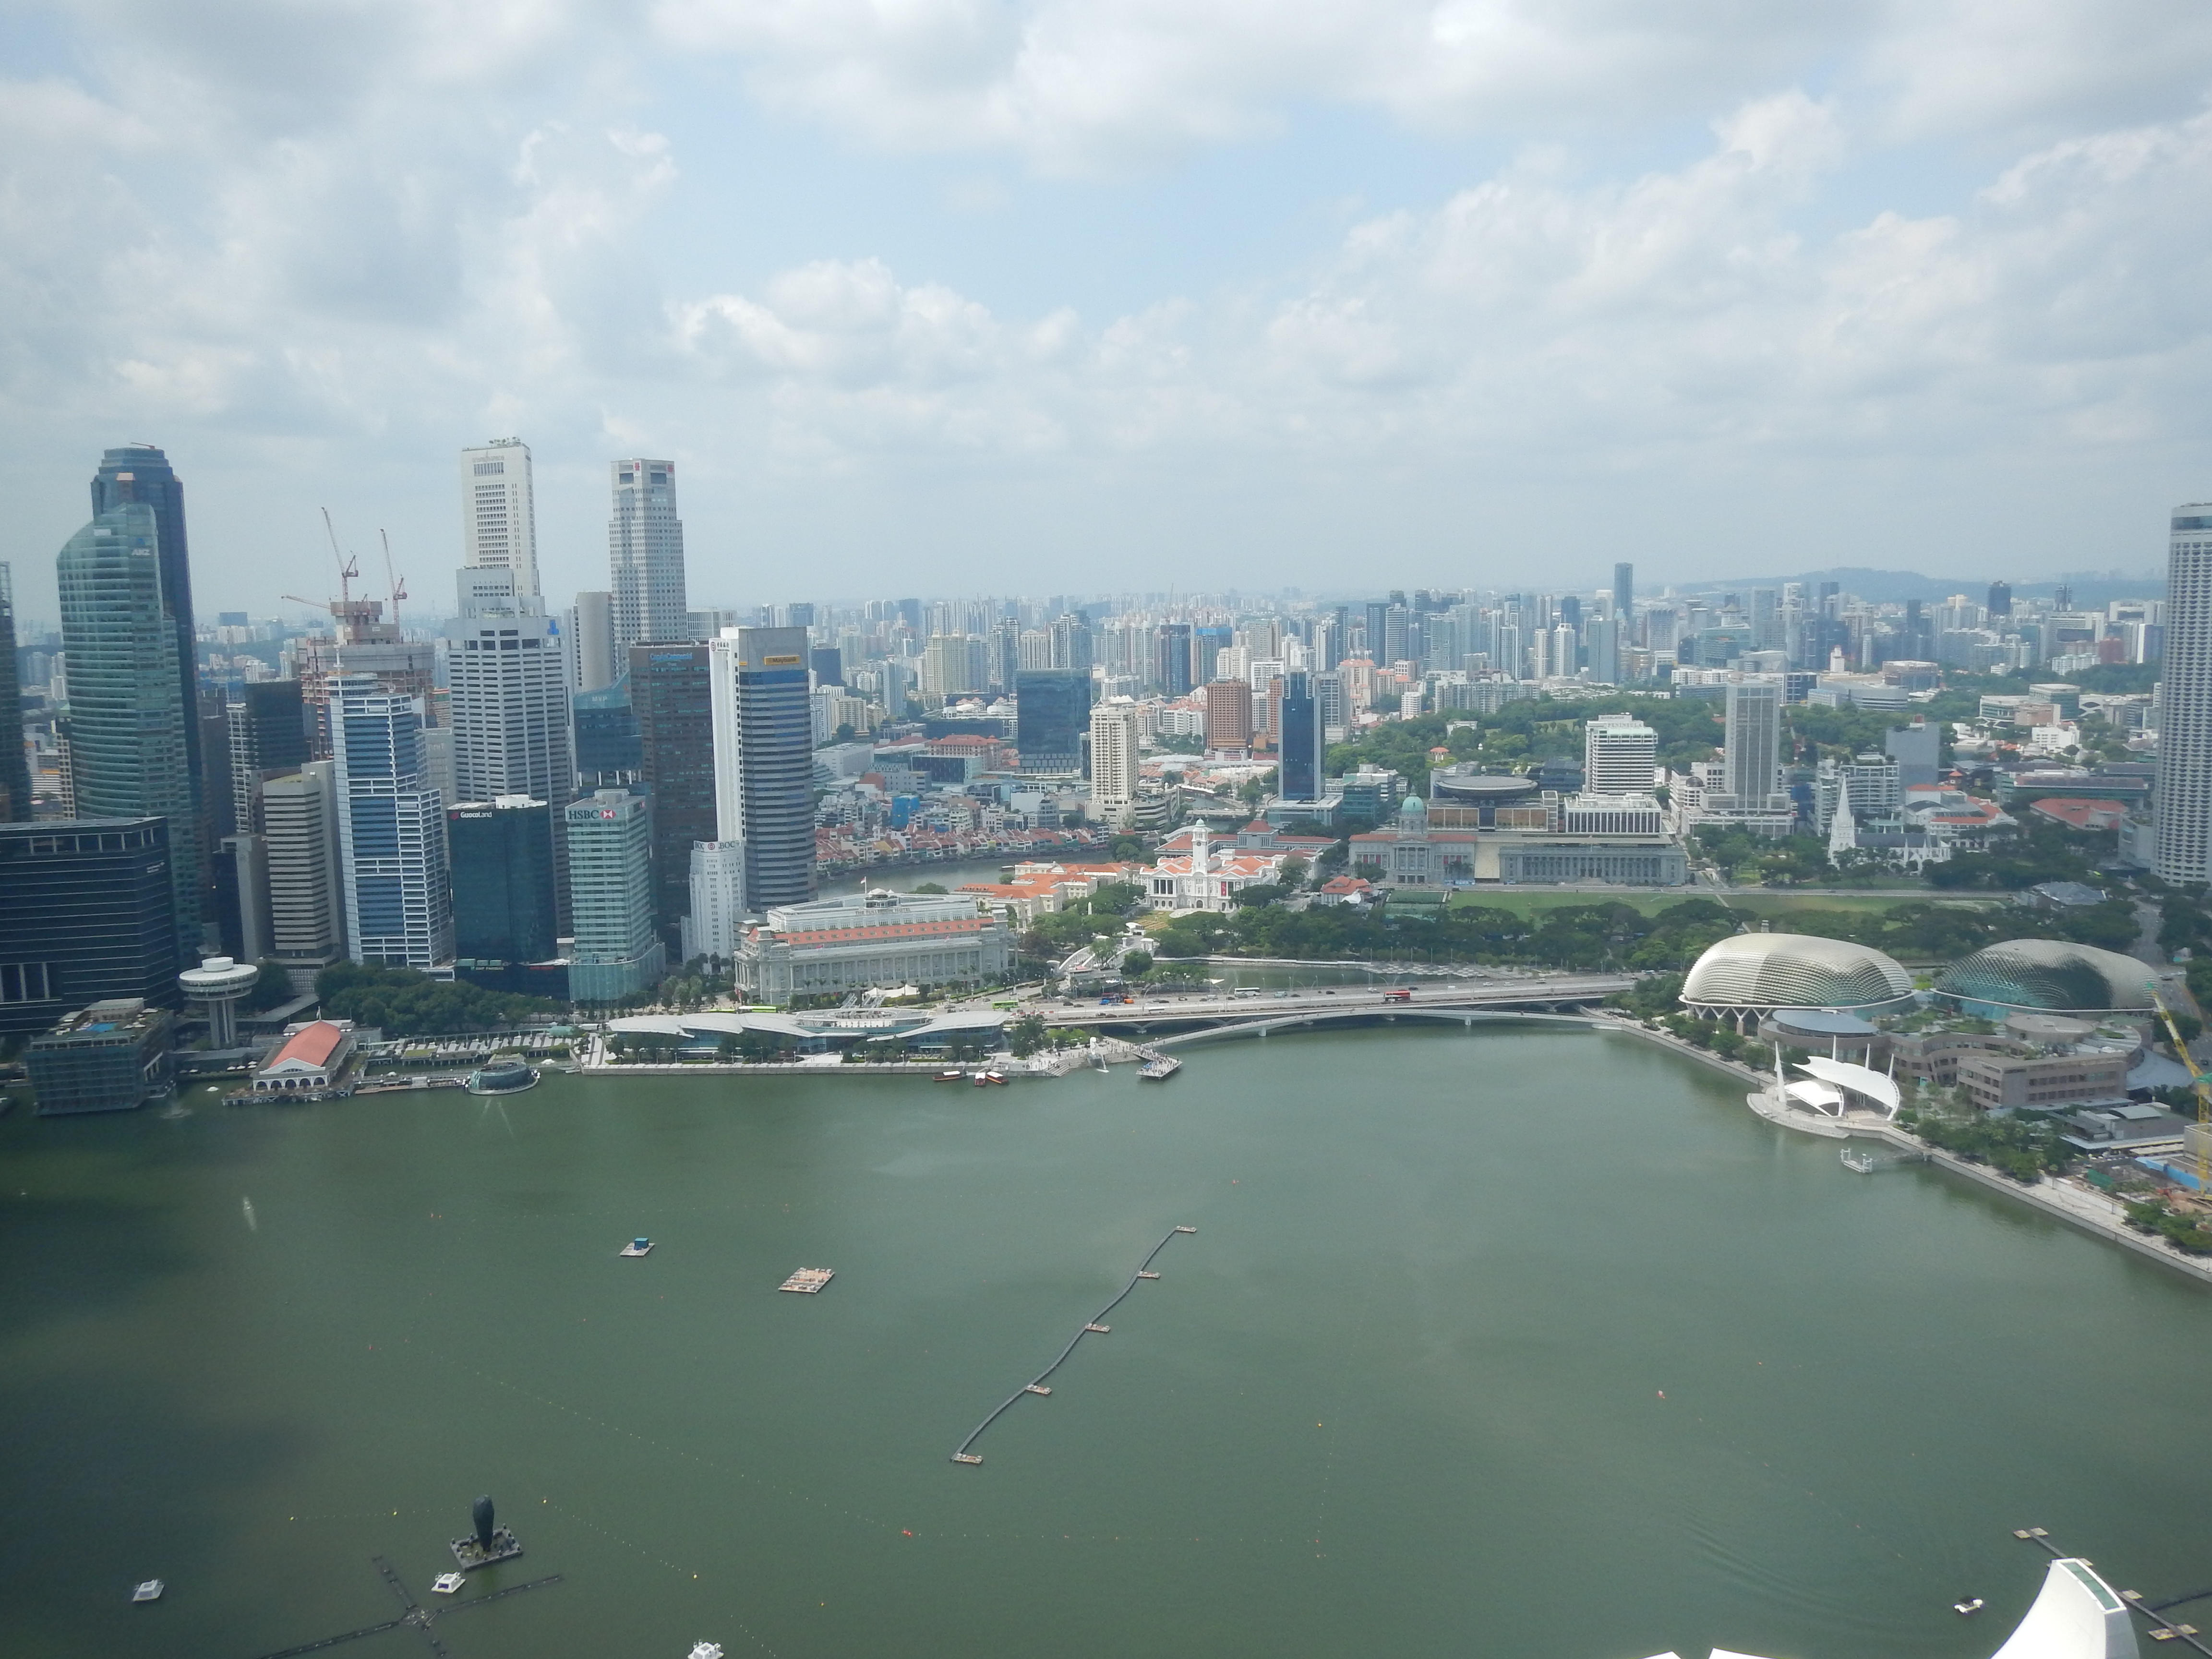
1207, 1013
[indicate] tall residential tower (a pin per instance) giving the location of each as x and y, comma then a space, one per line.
2184, 737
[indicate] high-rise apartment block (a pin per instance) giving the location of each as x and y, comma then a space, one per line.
392, 830
133, 732
618, 951
645, 552
1620, 755
1751, 749
1114, 761
764, 761
499, 521
2184, 812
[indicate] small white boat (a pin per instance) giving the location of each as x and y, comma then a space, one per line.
706, 1650
1967, 1609
950, 1077
637, 1247
149, 1591
448, 1583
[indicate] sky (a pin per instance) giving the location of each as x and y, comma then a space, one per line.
1037, 296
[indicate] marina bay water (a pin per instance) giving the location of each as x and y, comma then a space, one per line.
1522, 1340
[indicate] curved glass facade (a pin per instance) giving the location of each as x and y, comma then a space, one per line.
1794, 971
2046, 974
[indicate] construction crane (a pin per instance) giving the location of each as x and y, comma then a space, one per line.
349, 569
2204, 1092
399, 584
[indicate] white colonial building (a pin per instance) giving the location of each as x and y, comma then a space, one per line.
877, 939
1203, 877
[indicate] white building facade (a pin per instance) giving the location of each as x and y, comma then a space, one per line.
2184, 809
839, 945
645, 555
1620, 755
499, 519
1115, 771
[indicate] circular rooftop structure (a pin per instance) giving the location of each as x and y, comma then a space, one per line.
2048, 976
1466, 784
1794, 971
1821, 1022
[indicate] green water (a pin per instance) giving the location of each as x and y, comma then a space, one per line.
1400, 1394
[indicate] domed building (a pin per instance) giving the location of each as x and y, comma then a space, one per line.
1757, 973
2045, 975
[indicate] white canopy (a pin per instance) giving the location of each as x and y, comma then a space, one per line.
1856, 1079
1819, 1096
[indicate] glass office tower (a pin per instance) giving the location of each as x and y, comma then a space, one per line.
1053, 712
764, 761
1300, 775
141, 473
133, 724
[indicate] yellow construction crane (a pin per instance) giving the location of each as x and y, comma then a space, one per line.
2204, 1089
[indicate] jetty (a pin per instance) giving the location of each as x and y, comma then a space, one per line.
807, 1281
1093, 1327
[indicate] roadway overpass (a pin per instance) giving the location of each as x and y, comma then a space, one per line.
1549, 994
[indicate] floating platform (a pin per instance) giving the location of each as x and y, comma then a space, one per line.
447, 1583
472, 1555
705, 1650
1186, 1230
808, 1281
152, 1589
1146, 1273
966, 1457
1099, 1330
1160, 1068
636, 1247
1037, 1387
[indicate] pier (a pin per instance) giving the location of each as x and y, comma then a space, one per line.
1094, 1325
412, 1615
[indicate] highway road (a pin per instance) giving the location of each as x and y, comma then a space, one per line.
1534, 990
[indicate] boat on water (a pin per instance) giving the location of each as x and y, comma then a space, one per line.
447, 1583
808, 1281
1160, 1068
149, 1591
993, 1077
1969, 1607
951, 1076
637, 1247
506, 1076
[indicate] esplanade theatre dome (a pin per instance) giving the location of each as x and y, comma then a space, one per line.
1794, 971
2047, 976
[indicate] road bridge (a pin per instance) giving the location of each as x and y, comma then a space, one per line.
1545, 994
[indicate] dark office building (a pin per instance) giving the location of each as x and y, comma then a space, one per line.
1300, 774
1053, 714
503, 896
672, 695
1624, 593
829, 664
142, 473
2000, 598
608, 753
269, 732
1172, 670
15, 769
87, 917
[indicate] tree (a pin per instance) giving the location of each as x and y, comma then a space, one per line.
1026, 1036
1293, 873
1136, 962
930, 887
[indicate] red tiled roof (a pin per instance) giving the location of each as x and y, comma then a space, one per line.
311, 1046
887, 930
2082, 814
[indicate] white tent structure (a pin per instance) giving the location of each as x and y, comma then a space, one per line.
1856, 1080
2076, 1616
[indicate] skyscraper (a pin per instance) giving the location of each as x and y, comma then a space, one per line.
307, 884
1171, 666
1620, 755
503, 904
14, 764
611, 894
1624, 598
86, 918
1751, 750
764, 761
1113, 761
1053, 709
2183, 797
510, 698
1299, 777
392, 830
267, 732
589, 638
499, 522
645, 552
1228, 716
142, 473
132, 728
2000, 598
671, 695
